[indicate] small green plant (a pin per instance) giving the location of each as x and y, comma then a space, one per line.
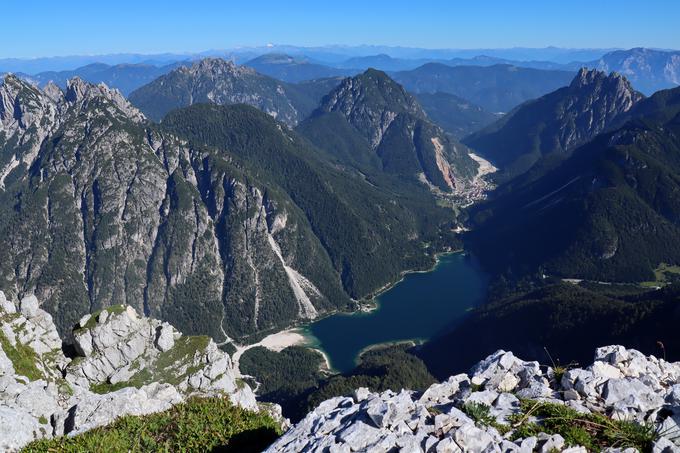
593, 431
557, 369
481, 414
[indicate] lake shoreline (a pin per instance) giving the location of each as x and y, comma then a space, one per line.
300, 334
404, 274
410, 310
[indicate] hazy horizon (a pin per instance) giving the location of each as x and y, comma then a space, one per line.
153, 28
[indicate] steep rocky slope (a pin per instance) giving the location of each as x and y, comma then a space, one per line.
371, 122
124, 364
624, 401
557, 122
222, 82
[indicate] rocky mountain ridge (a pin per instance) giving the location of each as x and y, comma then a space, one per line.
557, 122
370, 102
124, 364
623, 402
221, 82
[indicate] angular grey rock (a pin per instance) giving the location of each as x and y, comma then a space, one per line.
528, 445
472, 439
17, 428
485, 397
99, 410
360, 436
29, 306
166, 337
361, 394
663, 445
620, 383
114, 347
549, 443
447, 445
7, 305
445, 392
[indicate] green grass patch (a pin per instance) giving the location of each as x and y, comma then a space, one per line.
23, 358
593, 431
198, 425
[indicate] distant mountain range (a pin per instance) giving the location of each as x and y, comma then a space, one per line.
124, 77
294, 69
329, 55
497, 88
648, 70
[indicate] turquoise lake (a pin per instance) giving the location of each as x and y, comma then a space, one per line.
417, 308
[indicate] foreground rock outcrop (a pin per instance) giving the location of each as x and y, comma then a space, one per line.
125, 365
625, 401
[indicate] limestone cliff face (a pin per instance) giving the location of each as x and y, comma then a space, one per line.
151, 364
100, 209
490, 409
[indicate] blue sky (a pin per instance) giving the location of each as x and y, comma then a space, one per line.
46, 28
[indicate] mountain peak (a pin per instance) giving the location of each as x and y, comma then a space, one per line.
586, 77
20, 102
599, 83
376, 74
53, 91
79, 92
216, 67
371, 101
